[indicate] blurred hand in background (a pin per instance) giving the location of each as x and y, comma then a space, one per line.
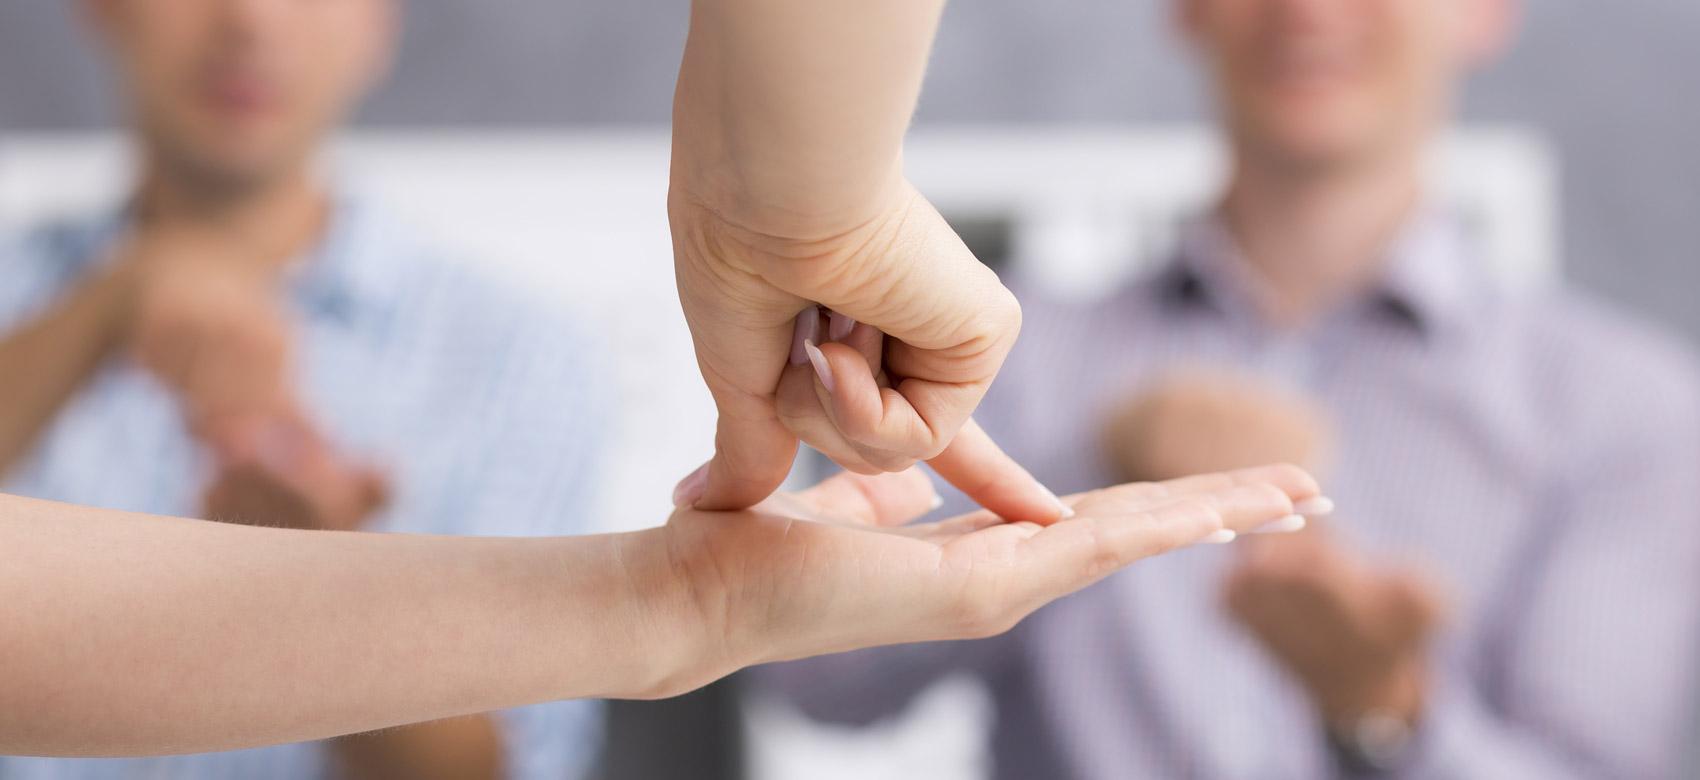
1193, 423
1353, 634
215, 332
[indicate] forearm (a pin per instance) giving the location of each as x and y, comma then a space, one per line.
47, 359
789, 117
129, 634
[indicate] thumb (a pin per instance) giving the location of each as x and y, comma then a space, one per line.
753, 453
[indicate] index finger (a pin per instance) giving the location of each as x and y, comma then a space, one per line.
978, 467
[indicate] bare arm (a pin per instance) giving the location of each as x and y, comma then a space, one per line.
790, 116
127, 634
47, 359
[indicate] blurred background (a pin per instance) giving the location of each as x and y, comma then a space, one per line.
1605, 85
1065, 140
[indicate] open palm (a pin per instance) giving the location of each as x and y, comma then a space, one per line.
834, 567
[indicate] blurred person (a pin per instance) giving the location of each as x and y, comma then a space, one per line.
1505, 589
245, 341
301, 634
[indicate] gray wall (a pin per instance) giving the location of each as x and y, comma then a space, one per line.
1615, 84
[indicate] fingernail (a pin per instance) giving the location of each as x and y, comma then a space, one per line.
822, 369
1286, 525
938, 501
805, 331
690, 489
1064, 511
838, 326
1319, 506
1223, 536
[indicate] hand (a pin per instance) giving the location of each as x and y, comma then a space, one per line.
917, 331
1197, 423
1355, 637
787, 193
212, 327
281, 473
833, 568
209, 327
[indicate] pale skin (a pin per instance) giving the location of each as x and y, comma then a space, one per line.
299, 635
788, 191
308, 634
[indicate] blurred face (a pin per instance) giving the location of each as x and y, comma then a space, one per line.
236, 91
1323, 82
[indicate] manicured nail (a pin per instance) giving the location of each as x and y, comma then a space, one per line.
805, 331
1286, 525
938, 501
1319, 506
1223, 536
1064, 511
691, 488
822, 368
838, 326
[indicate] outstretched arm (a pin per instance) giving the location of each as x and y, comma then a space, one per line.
788, 201
124, 634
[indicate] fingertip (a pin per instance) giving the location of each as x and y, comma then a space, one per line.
712, 489
1298, 481
823, 369
1219, 536
853, 396
692, 488
753, 453
991, 478
1315, 506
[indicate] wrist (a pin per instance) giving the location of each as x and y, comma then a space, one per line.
1399, 691
1373, 730
682, 635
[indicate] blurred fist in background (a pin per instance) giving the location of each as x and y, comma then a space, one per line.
1200, 422
209, 321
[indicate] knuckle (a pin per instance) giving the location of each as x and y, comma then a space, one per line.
1103, 558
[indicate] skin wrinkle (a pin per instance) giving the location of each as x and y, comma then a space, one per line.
775, 246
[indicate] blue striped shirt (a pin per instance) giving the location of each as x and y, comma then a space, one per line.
480, 402
1538, 451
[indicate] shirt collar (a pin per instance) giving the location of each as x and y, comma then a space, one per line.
1425, 283
349, 271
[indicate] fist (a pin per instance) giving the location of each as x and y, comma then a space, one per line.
1354, 635
1200, 423
282, 473
211, 328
